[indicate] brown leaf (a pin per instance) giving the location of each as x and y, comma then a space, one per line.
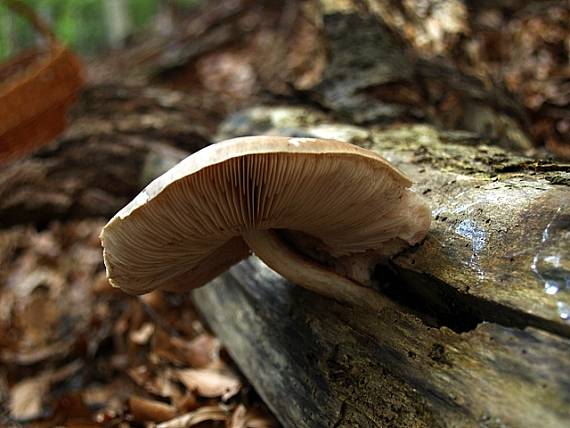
146, 410
143, 334
27, 396
164, 348
187, 402
26, 401
207, 413
109, 396
210, 382
154, 383
238, 418
69, 411
72, 407
202, 350
48, 291
199, 352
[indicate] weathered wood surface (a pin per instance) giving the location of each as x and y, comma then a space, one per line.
491, 343
499, 245
374, 77
319, 364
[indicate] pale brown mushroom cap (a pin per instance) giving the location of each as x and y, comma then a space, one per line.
349, 198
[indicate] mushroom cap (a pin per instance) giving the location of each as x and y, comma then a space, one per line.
185, 226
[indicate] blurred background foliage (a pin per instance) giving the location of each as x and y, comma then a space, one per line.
89, 26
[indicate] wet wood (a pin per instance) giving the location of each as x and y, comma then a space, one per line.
498, 246
318, 364
488, 337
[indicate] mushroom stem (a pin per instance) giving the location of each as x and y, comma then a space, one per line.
302, 271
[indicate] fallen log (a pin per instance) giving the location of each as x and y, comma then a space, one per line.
488, 342
499, 243
319, 364
487, 287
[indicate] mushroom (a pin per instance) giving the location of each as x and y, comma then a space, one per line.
228, 199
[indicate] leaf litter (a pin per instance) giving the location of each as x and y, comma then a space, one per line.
76, 352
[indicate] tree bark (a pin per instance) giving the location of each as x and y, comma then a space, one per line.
319, 364
346, 57
499, 236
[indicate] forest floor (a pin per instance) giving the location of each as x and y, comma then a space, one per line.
76, 352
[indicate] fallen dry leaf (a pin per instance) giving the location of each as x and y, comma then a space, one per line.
69, 411
199, 352
27, 398
210, 382
47, 290
187, 403
108, 396
143, 334
203, 350
156, 383
238, 418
